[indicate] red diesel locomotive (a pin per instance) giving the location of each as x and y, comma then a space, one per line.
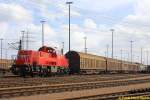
44, 62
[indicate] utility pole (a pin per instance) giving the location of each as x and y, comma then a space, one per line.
121, 54
69, 3
42, 22
105, 54
112, 30
141, 55
1, 48
128, 58
62, 50
27, 40
131, 49
20, 45
137, 58
133, 56
121, 59
85, 48
147, 56
23, 32
107, 46
6, 52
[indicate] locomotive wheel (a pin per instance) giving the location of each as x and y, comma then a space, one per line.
22, 71
59, 72
45, 73
13, 70
31, 74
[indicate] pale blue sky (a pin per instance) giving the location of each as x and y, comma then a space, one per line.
91, 18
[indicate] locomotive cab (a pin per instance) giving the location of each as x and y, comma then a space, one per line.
23, 62
24, 57
49, 50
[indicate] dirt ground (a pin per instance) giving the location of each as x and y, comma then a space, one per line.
67, 95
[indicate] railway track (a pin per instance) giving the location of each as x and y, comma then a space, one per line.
139, 94
43, 89
19, 82
15, 84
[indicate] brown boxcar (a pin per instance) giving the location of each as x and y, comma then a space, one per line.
83, 62
114, 65
92, 63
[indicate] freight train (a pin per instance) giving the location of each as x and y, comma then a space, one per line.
46, 61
